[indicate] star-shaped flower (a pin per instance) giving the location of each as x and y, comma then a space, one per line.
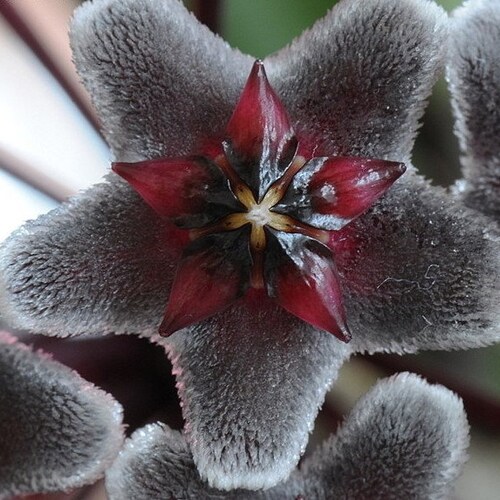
263, 215
418, 270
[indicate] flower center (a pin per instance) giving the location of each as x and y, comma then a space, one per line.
259, 215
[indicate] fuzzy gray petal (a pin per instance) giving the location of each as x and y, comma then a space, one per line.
156, 463
420, 271
251, 381
98, 264
474, 76
362, 74
159, 79
405, 439
57, 431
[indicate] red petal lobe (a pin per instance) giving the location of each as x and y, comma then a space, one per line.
259, 131
209, 279
306, 284
347, 187
172, 187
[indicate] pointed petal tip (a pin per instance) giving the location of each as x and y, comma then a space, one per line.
397, 165
165, 329
119, 166
131, 172
342, 332
124, 170
173, 187
212, 275
308, 286
388, 169
116, 165
169, 326
258, 71
343, 188
257, 79
397, 168
260, 131
332, 324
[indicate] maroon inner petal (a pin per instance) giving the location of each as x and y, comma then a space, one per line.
330, 192
301, 276
348, 186
261, 141
214, 273
177, 187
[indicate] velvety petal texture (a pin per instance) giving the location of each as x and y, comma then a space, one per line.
474, 77
57, 431
117, 275
156, 464
420, 271
416, 271
362, 74
405, 439
251, 381
101, 263
159, 79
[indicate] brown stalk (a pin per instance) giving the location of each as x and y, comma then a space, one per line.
33, 176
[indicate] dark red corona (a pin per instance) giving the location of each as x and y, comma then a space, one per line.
259, 214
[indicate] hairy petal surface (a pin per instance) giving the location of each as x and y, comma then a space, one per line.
156, 463
405, 439
251, 381
101, 263
420, 272
363, 73
474, 76
146, 65
57, 431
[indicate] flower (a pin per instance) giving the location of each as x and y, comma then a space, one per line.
58, 431
419, 270
63, 433
373, 455
259, 179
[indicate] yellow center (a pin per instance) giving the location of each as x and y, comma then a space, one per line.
260, 214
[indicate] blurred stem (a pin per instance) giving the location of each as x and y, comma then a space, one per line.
33, 176
43, 28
